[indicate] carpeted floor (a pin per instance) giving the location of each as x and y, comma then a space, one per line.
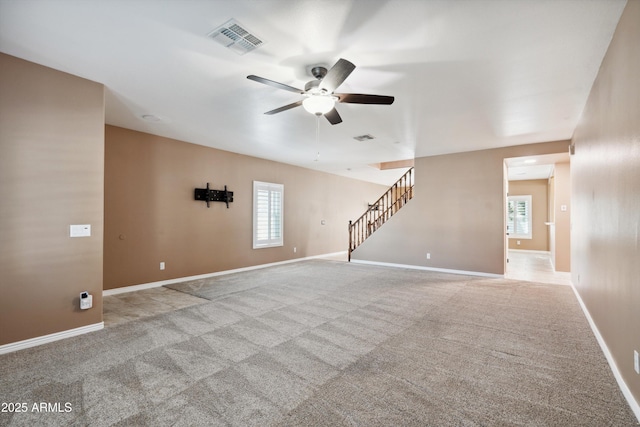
322, 343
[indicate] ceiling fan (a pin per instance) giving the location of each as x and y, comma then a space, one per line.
320, 97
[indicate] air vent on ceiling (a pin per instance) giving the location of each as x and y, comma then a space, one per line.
363, 137
236, 37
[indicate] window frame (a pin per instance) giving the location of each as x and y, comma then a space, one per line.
529, 216
271, 241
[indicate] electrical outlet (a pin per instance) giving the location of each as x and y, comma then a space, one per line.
294, 249
517, 242
162, 265
636, 361
428, 255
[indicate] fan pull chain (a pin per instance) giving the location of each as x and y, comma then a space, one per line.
317, 137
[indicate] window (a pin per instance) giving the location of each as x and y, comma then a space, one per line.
267, 214
519, 217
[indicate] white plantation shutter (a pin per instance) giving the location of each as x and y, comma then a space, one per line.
519, 217
267, 214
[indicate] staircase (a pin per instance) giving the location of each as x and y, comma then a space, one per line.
379, 212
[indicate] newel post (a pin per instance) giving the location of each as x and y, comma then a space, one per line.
350, 227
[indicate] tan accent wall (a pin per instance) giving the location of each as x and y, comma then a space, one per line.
561, 255
552, 223
537, 189
51, 176
457, 213
398, 164
151, 215
605, 187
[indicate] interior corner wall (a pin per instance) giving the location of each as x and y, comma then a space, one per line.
552, 213
562, 218
51, 176
537, 189
151, 215
456, 214
605, 185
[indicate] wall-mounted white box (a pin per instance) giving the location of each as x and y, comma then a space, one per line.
80, 230
86, 300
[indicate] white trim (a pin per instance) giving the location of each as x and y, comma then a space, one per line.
635, 406
530, 251
419, 267
32, 342
134, 288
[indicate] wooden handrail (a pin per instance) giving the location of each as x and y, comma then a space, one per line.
381, 210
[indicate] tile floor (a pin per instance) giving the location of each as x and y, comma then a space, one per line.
535, 267
120, 308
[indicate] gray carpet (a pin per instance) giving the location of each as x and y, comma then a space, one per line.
322, 343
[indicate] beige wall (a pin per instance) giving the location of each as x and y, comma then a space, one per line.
456, 215
552, 214
561, 255
51, 176
605, 183
538, 190
150, 214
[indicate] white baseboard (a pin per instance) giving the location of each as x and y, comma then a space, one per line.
635, 406
419, 267
134, 288
32, 342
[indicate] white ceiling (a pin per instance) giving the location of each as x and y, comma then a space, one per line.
534, 167
466, 74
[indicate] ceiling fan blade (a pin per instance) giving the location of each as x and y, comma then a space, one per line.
333, 117
285, 108
336, 75
274, 84
360, 98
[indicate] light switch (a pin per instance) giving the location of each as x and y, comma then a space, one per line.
80, 230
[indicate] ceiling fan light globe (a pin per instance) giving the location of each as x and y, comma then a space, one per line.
318, 104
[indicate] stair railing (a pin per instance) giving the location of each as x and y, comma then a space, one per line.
381, 210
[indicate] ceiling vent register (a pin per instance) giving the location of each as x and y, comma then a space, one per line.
236, 37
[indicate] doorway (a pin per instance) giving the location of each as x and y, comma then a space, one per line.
537, 218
